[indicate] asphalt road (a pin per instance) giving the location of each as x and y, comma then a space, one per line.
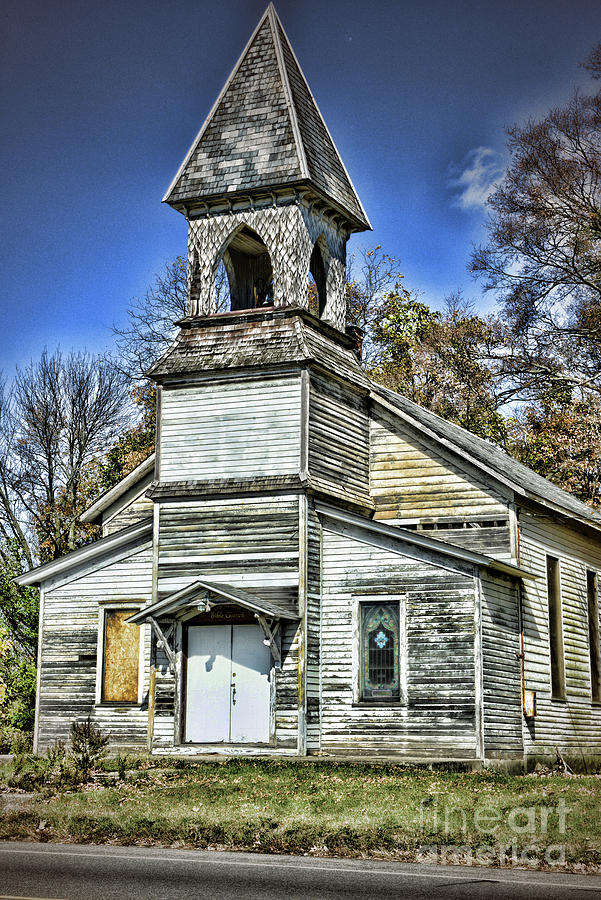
75, 872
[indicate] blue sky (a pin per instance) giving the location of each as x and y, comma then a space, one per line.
101, 101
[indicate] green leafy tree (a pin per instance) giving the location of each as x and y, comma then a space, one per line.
560, 438
135, 444
440, 360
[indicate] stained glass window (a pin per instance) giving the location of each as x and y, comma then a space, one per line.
379, 651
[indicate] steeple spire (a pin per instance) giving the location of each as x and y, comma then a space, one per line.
265, 133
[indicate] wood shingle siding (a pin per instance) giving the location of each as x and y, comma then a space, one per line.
230, 430
574, 723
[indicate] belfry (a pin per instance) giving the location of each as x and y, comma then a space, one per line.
264, 189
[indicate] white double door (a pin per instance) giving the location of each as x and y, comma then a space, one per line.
227, 685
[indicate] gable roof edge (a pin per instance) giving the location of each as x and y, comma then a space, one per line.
589, 520
401, 414
92, 513
112, 542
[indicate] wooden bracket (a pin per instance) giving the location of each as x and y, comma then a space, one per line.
163, 641
270, 632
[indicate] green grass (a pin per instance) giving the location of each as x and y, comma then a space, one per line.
322, 807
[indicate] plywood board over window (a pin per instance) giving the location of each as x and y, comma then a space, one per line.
121, 658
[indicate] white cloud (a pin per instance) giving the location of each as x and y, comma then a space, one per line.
475, 181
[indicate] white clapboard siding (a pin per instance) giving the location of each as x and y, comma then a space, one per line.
69, 646
287, 698
414, 479
236, 429
338, 439
573, 725
501, 667
249, 542
439, 719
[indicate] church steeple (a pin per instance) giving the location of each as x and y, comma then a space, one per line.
265, 190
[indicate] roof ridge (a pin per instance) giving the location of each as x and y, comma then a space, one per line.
274, 21
323, 121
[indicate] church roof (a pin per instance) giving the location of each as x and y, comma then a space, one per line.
258, 338
265, 131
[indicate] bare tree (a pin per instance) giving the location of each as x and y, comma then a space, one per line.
63, 415
151, 319
371, 274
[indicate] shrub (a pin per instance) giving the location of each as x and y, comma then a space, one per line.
88, 746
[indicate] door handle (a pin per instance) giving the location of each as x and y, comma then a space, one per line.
233, 694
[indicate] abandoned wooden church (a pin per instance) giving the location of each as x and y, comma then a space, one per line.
310, 563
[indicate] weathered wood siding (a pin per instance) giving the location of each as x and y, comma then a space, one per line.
252, 543
313, 628
573, 724
338, 439
501, 667
418, 483
69, 652
137, 509
230, 429
439, 719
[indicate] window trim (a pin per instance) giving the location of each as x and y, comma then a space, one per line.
104, 608
557, 691
594, 634
369, 702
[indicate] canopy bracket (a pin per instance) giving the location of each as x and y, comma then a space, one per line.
270, 631
163, 641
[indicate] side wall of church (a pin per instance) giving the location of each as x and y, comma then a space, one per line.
437, 715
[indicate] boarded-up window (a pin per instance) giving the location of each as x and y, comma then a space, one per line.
558, 679
121, 657
593, 635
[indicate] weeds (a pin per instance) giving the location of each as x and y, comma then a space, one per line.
88, 747
60, 767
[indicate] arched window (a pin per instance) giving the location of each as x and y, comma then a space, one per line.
249, 272
379, 651
317, 282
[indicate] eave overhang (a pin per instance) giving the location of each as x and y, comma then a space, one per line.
405, 536
93, 512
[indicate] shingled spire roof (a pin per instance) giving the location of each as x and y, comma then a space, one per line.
265, 131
